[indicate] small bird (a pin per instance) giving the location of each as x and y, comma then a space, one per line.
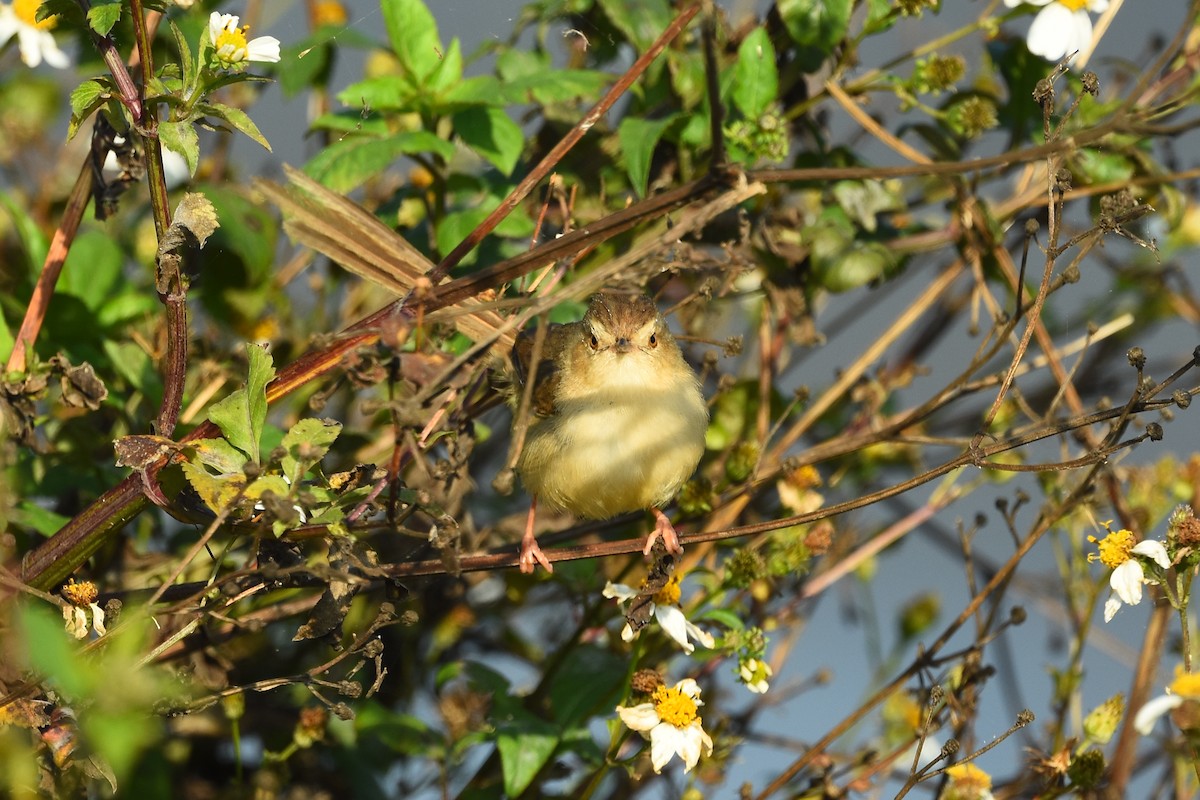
617, 420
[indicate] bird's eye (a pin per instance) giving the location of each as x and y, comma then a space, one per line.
594, 342
654, 340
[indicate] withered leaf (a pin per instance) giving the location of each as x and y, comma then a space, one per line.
638, 615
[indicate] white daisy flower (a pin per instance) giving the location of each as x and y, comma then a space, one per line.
754, 674
1185, 688
1118, 551
81, 598
1062, 27
665, 608
671, 722
231, 47
34, 39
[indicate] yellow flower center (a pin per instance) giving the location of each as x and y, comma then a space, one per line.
1074, 5
674, 707
804, 477
1114, 548
231, 42
969, 776
26, 11
1186, 684
669, 594
328, 12
80, 595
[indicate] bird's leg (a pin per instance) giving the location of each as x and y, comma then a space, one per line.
663, 528
531, 553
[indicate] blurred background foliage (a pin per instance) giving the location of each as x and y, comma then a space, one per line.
303, 606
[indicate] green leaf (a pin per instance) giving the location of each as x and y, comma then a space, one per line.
345, 165
33, 241
239, 119
816, 25
723, 616
87, 97
187, 62
219, 455
639, 137
348, 121
525, 747
181, 137
307, 442
241, 415
384, 93
414, 36
491, 133
755, 77
589, 682
215, 491
449, 69
103, 15
642, 21
42, 520
93, 268
51, 651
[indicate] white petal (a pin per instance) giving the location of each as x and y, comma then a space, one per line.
1127, 581
1148, 714
1111, 607
263, 48
627, 633
702, 636
98, 619
619, 591
665, 741
692, 689
689, 749
1057, 30
8, 24
1097, 6
1155, 551
641, 718
675, 625
218, 22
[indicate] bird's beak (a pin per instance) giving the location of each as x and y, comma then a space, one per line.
623, 346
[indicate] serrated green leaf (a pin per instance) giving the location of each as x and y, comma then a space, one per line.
491, 133
413, 33
239, 119
524, 747
181, 137
639, 137
85, 99
755, 76
187, 63
345, 165
102, 16
242, 414
306, 443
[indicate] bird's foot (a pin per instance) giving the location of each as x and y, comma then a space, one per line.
663, 528
531, 553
